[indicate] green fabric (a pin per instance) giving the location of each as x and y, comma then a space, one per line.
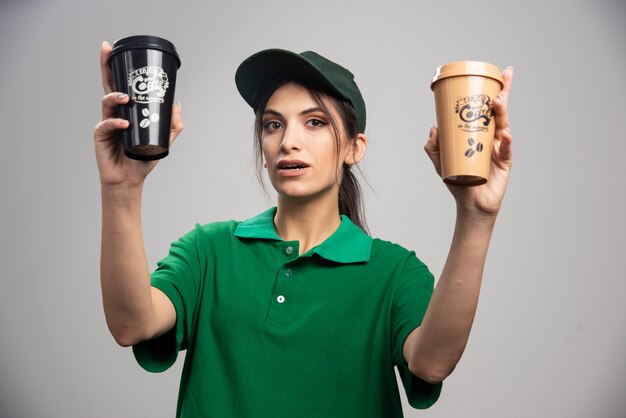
328, 349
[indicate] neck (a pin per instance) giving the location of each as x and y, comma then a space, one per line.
309, 223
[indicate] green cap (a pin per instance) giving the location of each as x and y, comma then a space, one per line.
264, 68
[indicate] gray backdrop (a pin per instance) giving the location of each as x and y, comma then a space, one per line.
549, 338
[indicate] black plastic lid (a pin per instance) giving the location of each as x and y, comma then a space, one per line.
144, 42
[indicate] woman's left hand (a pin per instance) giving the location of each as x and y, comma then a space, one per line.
486, 199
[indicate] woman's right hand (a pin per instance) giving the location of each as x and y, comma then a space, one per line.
115, 168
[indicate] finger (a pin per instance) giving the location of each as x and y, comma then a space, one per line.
107, 76
504, 149
502, 117
177, 122
432, 148
507, 77
111, 102
106, 129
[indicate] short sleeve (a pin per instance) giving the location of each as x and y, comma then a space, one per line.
413, 292
178, 275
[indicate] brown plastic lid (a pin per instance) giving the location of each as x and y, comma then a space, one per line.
467, 68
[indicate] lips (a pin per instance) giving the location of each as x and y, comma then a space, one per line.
291, 167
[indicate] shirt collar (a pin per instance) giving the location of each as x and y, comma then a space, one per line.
348, 244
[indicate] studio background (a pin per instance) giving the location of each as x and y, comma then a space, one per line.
549, 339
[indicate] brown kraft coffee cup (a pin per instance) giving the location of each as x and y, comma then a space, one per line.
464, 93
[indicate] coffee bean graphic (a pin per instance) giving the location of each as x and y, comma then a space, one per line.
155, 118
470, 141
469, 152
144, 123
479, 147
145, 112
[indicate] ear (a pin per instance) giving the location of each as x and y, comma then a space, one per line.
356, 150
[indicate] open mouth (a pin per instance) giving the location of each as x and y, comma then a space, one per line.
291, 165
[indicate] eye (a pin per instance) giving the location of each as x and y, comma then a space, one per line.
272, 125
316, 122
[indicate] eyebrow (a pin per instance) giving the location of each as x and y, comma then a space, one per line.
304, 112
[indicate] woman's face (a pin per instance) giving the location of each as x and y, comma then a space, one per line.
299, 146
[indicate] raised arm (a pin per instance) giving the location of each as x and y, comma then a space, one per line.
134, 310
434, 349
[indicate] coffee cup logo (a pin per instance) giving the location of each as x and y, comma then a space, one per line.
148, 84
475, 112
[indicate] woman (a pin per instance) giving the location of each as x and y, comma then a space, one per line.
296, 311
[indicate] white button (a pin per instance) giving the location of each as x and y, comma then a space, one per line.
288, 272
280, 299
289, 250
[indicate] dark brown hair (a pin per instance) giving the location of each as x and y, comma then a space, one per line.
350, 197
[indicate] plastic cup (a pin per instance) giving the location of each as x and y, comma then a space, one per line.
464, 93
144, 67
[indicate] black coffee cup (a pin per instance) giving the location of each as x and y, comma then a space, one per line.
144, 67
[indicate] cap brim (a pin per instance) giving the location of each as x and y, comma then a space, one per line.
257, 73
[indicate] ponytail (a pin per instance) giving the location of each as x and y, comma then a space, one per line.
351, 200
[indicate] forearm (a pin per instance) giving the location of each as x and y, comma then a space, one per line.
124, 273
442, 337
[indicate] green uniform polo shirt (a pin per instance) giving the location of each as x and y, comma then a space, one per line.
269, 333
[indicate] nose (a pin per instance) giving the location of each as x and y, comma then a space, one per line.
291, 139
